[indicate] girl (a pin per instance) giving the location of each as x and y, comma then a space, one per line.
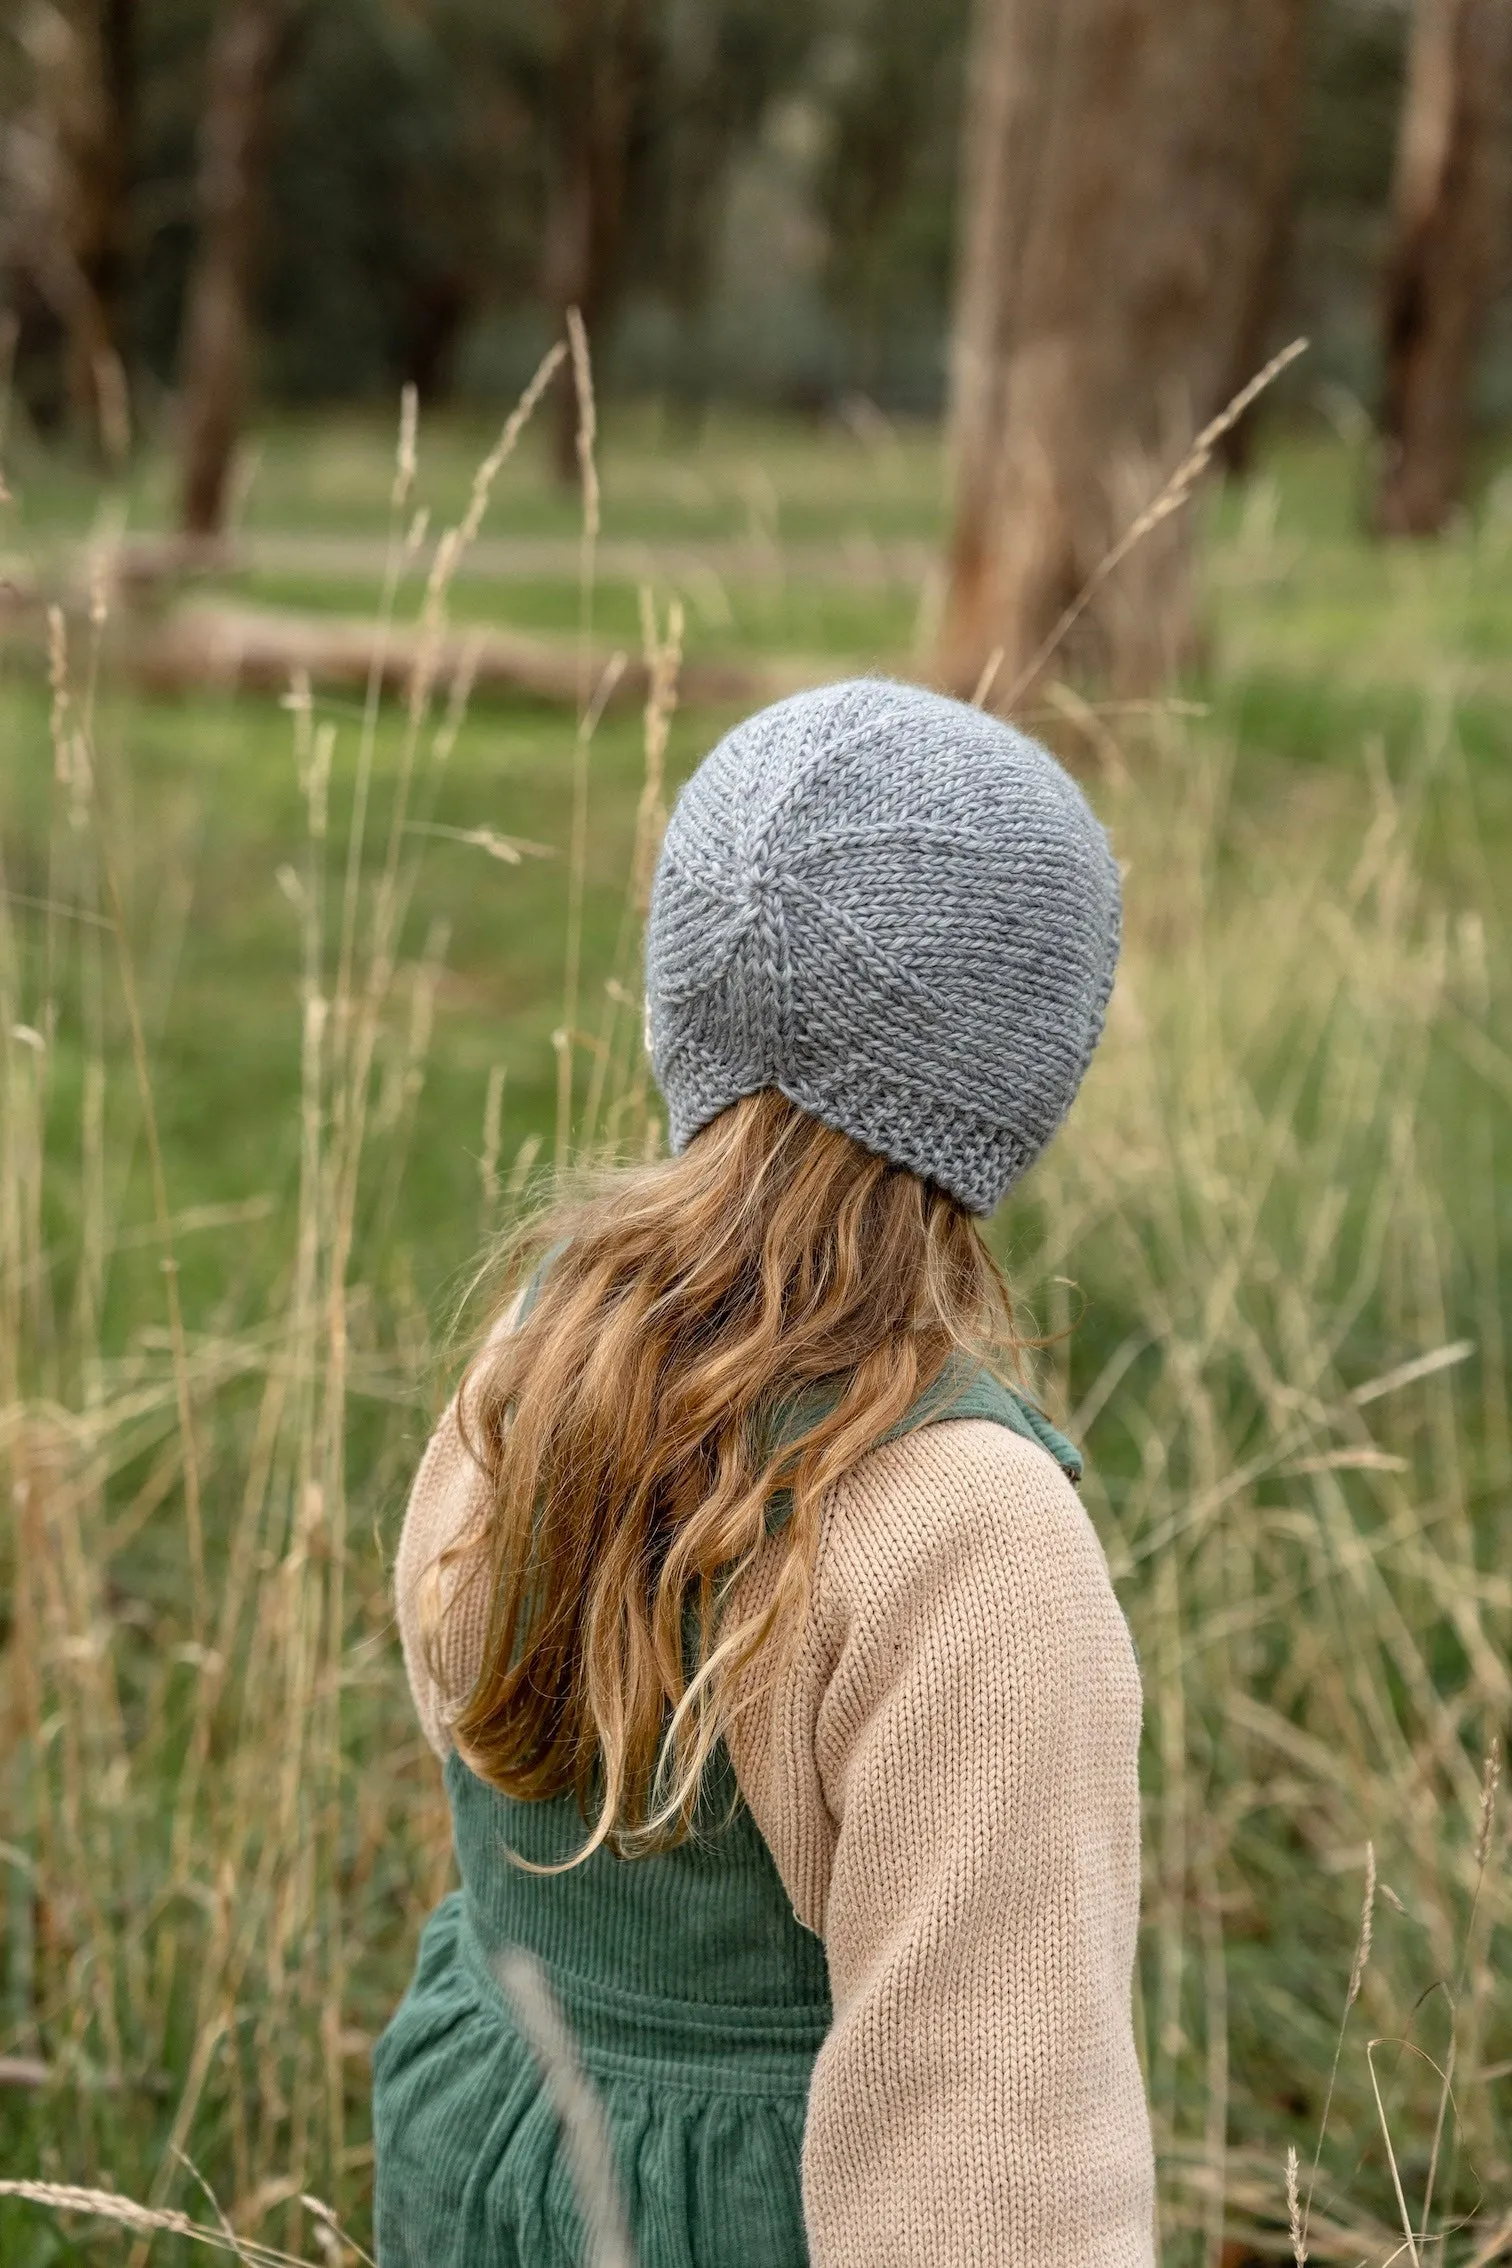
788, 1716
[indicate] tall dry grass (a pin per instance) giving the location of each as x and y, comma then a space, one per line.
1274, 1223
1280, 1206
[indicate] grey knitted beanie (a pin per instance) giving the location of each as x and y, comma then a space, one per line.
899, 911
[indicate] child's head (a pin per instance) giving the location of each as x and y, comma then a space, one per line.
881, 943
898, 911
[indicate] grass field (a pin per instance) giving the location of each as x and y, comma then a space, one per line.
266, 1094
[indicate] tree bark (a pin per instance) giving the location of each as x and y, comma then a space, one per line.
217, 324
601, 64
1113, 213
108, 30
1277, 94
1449, 227
98, 134
67, 167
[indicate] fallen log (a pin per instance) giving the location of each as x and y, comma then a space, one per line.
211, 644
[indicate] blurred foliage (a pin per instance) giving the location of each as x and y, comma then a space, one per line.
887, 187
1351, 97
786, 222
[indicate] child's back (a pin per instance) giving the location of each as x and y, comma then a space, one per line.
740, 1556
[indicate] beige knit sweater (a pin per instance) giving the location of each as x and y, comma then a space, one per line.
947, 1779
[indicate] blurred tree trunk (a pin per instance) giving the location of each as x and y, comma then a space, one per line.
1114, 215
111, 174
99, 162
67, 180
1277, 93
601, 66
243, 59
1449, 229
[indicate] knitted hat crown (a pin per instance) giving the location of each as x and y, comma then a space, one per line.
899, 911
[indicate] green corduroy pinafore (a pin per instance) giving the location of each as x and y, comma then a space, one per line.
697, 1998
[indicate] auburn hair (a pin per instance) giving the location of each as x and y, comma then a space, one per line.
776, 1278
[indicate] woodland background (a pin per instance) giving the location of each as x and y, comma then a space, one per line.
340, 704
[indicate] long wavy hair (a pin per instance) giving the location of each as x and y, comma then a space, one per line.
750, 1317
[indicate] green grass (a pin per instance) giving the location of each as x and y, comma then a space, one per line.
1288, 1178
214, 810
730, 475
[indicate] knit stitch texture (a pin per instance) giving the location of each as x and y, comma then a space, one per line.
899, 911
946, 1774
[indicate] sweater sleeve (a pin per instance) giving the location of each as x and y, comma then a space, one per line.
947, 1776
